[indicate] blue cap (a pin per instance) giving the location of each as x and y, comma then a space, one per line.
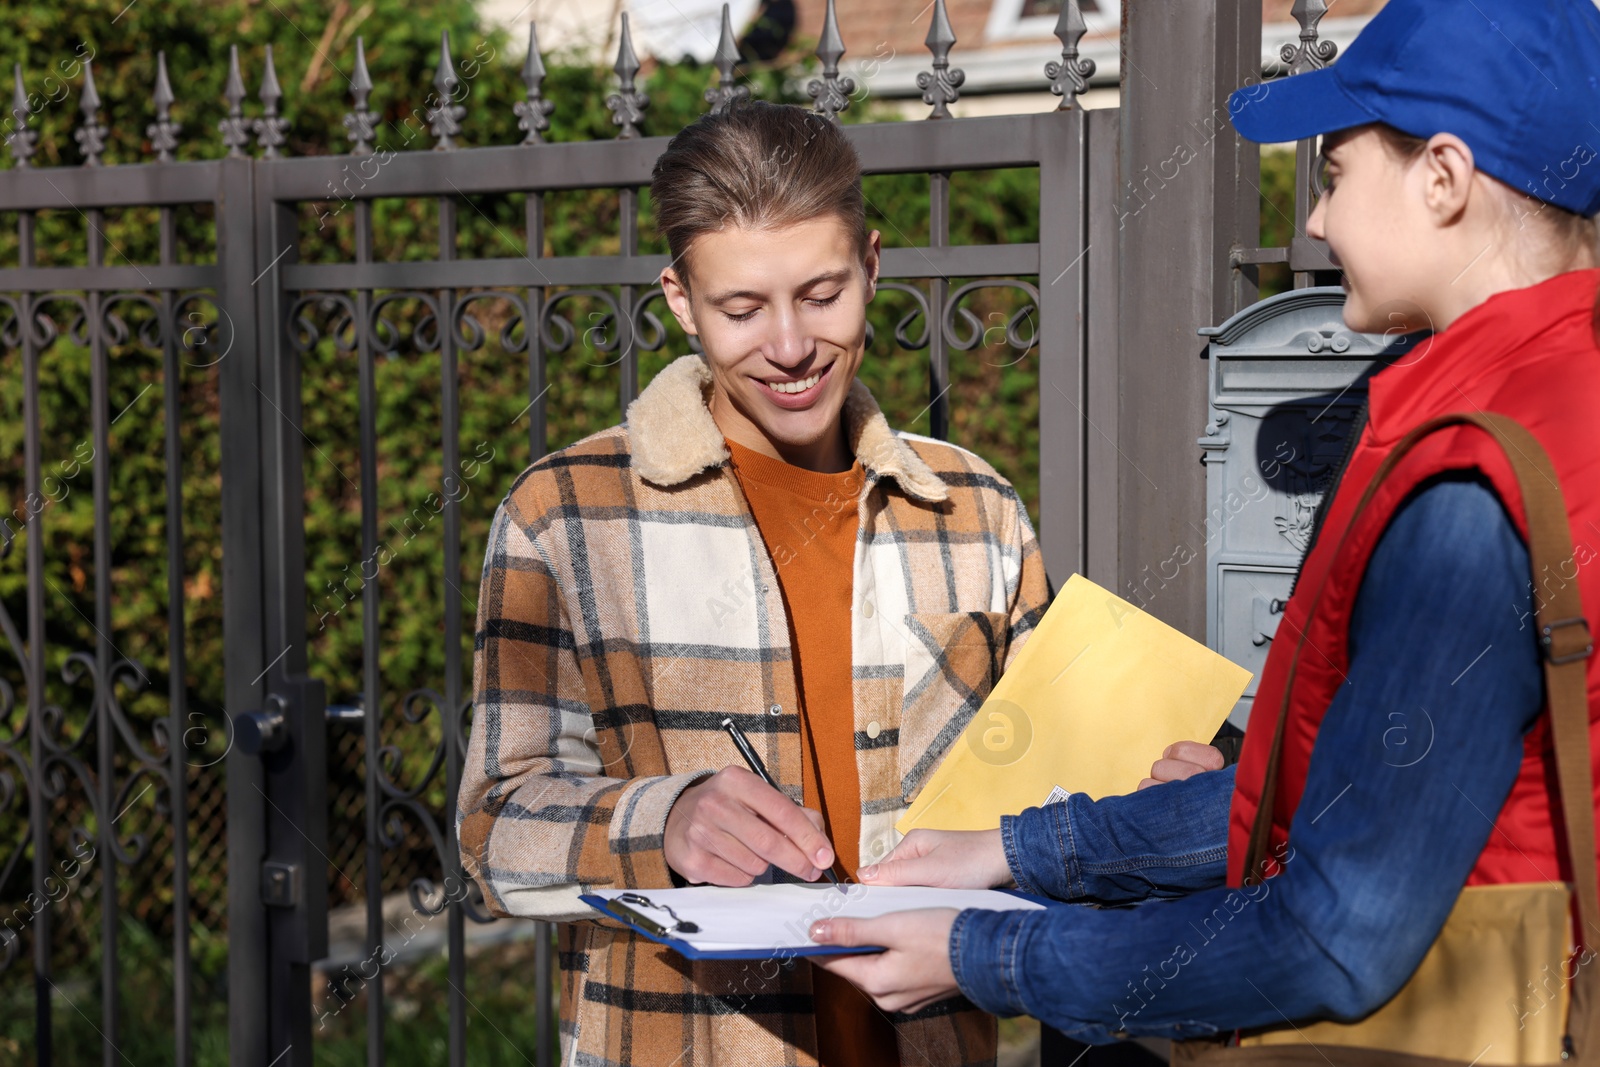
1517, 80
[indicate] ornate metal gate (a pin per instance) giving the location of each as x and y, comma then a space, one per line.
253, 324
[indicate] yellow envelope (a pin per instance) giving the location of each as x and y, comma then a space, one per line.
1096, 694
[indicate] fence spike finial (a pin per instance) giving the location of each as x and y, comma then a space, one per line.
940, 86
19, 139
725, 92
831, 92
163, 132
235, 128
1070, 77
627, 104
444, 119
269, 127
1310, 53
358, 123
91, 136
533, 114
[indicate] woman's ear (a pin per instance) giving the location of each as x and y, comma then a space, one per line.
674, 288
1448, 170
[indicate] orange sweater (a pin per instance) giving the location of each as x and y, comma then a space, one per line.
808, 521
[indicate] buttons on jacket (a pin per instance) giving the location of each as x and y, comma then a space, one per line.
874, 729
867, 610
776, 709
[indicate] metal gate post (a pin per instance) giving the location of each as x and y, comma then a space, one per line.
243, 606
1189, 195
287, 733
1063, 289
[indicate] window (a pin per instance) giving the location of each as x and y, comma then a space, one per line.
1011, 20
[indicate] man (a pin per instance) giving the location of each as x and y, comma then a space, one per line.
753, 542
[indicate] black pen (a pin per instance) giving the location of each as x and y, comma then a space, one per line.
743, 745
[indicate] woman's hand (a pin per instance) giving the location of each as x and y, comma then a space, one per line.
952, 859
1183, 760
913, 973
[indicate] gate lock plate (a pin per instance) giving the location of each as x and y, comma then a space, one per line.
280, 884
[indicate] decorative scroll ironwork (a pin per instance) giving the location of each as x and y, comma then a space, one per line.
163, 132
533, 114
470, 334
406, 800
831, 92
627, 104
649, 331
558, 334
726, 91
47, 330
1070, 77
1310, 53
920, 311
304, 332
387, 335
151, 331
941, 86
979, 334
19, 782
358, 122
91, 136
609, 330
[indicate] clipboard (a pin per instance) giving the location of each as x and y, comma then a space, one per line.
630, 918
647, 925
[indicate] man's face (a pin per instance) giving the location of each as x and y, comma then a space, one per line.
781, 314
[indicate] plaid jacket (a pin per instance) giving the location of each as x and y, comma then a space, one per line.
628, 605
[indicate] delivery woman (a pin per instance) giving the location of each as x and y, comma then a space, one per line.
1402, 866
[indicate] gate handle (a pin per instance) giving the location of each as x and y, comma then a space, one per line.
260, 732
347, 715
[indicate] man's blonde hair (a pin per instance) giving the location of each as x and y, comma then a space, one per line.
757, 166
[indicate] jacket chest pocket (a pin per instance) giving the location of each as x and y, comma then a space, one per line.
952, 660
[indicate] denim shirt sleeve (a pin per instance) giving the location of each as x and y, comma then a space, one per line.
1416, 754
1159, 842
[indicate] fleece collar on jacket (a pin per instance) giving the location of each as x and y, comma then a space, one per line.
673, 436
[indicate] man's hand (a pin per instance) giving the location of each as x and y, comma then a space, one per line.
728, 828
953, 859
913, 973
1183, 760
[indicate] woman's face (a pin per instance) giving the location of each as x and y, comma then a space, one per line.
781, 314
1373, 217
1423, 240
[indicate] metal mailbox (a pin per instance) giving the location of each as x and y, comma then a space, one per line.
1287, 380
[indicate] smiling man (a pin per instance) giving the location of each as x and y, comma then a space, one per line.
753, 543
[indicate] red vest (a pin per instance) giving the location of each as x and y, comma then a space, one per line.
1530, 354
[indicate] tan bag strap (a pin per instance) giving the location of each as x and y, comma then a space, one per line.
1564, 640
